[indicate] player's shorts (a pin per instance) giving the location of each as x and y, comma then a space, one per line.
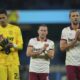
73, 72
38, 76
10, 72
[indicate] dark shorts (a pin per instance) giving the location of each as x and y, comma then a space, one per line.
38, 76
73, 72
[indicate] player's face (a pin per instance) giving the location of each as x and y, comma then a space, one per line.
75, 17
3, 18
43, 31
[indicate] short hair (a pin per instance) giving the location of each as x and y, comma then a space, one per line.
3, 12
44, 25
74, 10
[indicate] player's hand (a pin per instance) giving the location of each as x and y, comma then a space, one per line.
40, 51
1, 38
77, 36
9, 45
6, 45
45, 46
1, 48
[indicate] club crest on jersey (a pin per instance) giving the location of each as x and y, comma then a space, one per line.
10, 32
71, 36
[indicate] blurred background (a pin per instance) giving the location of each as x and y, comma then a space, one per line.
29, 14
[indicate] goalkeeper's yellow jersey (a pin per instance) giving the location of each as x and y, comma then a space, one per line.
13, 33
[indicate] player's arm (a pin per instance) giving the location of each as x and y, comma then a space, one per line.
19, 41
77, 36
49, 54
48, 51
63, 42
30, 52
1, 48
1, 38
65, 46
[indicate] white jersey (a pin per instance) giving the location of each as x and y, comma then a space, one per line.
72, 55
39, 65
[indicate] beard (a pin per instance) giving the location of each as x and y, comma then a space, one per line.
75, 22
3, 23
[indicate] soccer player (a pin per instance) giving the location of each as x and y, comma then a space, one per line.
10, 42
41, 50
69, 42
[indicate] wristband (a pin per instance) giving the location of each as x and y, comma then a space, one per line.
46, 52
14, 45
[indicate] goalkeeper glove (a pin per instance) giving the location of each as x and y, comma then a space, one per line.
6, 45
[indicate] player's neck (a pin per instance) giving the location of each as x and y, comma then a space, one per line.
42, 38
4, 25
75, 26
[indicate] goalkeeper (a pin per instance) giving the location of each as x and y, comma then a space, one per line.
10, 42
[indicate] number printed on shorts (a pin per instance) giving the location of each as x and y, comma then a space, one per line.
16, 76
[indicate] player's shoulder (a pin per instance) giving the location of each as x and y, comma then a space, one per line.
14, 26
66, 29
50, 41
33, 39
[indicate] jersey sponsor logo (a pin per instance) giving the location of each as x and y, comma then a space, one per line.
70, 40
35, 49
